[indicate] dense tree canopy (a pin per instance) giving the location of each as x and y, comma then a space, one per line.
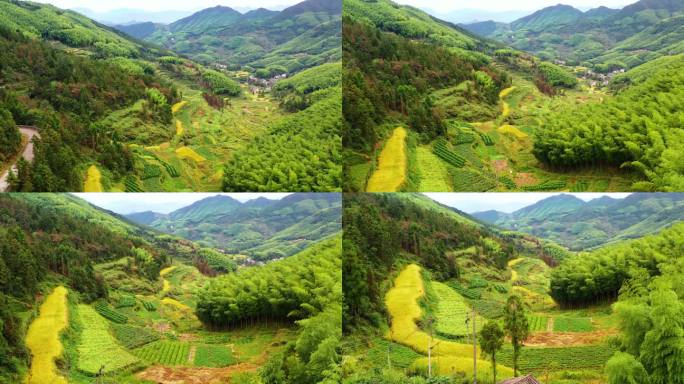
599, 275
65, 96
640, 128
386, 72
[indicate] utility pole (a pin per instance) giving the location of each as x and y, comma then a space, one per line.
429, 322
474, 349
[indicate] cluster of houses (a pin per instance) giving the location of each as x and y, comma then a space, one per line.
596, 79
258, 85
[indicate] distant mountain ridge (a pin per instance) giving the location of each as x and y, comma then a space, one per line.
579, 225
261, 228
599, 36
298, 37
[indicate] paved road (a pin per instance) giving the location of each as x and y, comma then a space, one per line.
29, 132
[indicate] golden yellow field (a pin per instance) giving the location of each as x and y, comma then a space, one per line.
188, 153
92, 181
391, 171
166, 271
42, 339
510, 129
506, 92
177, 107
448, 366
402, 304
506, 107
179, 128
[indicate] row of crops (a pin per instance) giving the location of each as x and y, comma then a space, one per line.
507, 182
548, 185
131, 184
108, 313
125, 301
131, 336
151, 171
441, 149
580, 186
165, 352
452, 312
477, 282
465, 180
169, 352
463, 291
150, 306
500, 288
486, 139
537, 323
97, 348
566, 357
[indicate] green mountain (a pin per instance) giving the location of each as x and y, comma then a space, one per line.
117, 114
579, 225
93, 282
548, 17
301, 36
403, 264
261, 228
631, 35
210, 18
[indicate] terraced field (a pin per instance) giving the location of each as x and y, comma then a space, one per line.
391, 172
498, 156
433, 172
97, 348
402, 305
43, 339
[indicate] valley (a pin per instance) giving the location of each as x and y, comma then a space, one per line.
427, 276
150, 117
496, 118
98, 298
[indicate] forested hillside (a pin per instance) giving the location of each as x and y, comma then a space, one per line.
602, 38
417, 278
112, 113
89, 296
639, 129
435, 108
263, 229
579, 225
298, 37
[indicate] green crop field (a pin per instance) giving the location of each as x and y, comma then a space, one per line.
164, 352
131, 336
537, 323
452, 312
214, 356
569, 324
558, 358
97, 347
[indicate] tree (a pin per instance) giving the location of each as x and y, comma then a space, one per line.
624, 368
491, 340
516, 326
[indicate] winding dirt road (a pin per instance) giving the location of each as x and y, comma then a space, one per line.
27, 154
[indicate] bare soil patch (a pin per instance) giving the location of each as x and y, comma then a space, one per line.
525, 178
189, 375
568, 338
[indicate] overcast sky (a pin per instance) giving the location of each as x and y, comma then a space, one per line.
124, 203
444, 6
167, 5
504, 202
